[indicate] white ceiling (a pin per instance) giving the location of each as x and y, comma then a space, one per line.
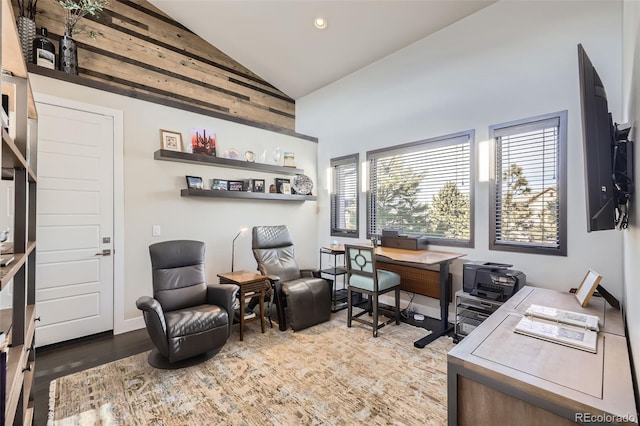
276, 39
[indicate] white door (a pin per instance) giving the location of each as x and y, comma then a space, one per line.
74, 276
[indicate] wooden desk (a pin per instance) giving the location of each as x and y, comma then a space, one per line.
421, 259
497, 376
250, 284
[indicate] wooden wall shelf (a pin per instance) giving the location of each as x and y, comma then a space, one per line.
212, 193
205, 160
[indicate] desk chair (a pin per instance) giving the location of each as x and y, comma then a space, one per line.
364, 278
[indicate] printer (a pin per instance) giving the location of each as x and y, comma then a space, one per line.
493, 281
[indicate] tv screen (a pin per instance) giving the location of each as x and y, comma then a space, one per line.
598, 143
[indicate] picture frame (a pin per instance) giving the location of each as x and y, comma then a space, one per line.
219, 184
194, 182
289, 160
279, 185
257, 185
203, 141
170, 140
588, 285
235, 185
286, 188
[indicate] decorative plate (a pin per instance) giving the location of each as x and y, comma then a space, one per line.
302, 184
231, 154
250, 156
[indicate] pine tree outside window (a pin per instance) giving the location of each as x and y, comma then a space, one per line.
344, 196
425, 188
528, 194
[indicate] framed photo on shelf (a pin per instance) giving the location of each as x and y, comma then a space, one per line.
280, 185
286, 188
235, 185
194, 182
257, 185
170, 140
587, 287
219, 184
203, 141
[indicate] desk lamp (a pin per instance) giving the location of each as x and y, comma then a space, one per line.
233, 244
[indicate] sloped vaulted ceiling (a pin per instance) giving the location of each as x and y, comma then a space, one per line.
141, 52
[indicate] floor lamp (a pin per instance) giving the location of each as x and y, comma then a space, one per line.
233, 244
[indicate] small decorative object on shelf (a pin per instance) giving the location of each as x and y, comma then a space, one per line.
74, 10
302, 184
272, 189
170, 140
250, 156
44, 53
27, 27
276, 155
219, 184
203, 141
231, 154
194, 182
289, 160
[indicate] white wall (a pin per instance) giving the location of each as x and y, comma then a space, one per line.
510, 61
631, 109
152, 190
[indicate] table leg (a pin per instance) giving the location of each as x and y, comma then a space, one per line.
242, 297
262, 310
445, 327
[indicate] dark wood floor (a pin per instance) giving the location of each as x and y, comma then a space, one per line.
59, 360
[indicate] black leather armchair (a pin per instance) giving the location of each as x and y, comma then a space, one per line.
186, 317
302, 298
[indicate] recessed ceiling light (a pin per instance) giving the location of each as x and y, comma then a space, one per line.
320, 23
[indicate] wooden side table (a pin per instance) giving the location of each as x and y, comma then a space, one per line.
250, 284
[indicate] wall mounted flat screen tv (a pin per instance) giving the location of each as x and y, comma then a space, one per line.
608, 154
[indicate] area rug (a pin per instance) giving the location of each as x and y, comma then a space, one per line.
325, 375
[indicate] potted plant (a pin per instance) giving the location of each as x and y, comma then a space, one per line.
74, 10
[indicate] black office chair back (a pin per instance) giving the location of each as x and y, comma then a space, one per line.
273, 250
178, 274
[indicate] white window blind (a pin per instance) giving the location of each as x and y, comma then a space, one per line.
424, 188
527, 197
344, 196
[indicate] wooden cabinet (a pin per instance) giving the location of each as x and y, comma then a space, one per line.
497, 376
187, 157
17, 278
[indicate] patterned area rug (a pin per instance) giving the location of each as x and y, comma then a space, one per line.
325, 375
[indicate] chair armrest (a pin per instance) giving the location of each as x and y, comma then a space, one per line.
273, 278
310, 273
154, 319
223, 295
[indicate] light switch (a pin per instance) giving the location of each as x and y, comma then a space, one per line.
155, 230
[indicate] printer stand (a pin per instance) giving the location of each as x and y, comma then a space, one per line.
471, 311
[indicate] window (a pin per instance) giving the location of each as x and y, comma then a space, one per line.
425, 188
344, 196
528, 194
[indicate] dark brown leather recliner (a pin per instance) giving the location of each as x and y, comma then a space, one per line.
186, 317
302, 298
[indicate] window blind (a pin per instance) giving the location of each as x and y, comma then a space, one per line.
344, 196
527, 206
424, 187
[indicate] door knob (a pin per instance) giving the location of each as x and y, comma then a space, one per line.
105, 252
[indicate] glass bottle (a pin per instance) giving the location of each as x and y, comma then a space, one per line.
44, 53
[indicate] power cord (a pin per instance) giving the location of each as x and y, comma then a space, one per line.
408, 311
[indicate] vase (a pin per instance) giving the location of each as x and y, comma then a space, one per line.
68, 54
27, 33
